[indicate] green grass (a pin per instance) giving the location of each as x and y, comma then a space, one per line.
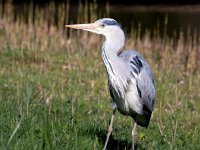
62, 102
54, 95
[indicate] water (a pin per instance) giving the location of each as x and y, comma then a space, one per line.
165, 19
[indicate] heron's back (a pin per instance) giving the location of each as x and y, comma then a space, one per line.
138, 99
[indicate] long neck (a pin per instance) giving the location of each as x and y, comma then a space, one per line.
113, 43
110, 48
114, 65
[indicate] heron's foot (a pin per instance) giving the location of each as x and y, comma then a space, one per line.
110, 129
134, 136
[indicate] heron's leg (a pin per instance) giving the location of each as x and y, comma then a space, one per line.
110, 128
134, 135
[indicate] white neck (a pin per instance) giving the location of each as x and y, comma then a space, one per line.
114, 65
114, 41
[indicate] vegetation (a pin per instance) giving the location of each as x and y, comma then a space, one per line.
54, 95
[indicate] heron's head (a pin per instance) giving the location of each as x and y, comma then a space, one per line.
108, 27
105, 26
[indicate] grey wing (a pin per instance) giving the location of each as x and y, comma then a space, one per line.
127, 55
141, 72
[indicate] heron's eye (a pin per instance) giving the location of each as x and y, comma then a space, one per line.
102, 25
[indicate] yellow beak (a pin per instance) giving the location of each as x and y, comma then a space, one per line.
90, 26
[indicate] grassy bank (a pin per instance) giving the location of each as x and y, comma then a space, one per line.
53, 89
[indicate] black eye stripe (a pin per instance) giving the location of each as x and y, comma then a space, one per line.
111, 23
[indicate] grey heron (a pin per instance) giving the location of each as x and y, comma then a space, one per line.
130, 78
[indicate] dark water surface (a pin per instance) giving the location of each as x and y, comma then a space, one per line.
165, 20
170, 20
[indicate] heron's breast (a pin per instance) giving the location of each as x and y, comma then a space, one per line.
122, 105
133, 99
130, 102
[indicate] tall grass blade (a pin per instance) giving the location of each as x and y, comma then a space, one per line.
15, 131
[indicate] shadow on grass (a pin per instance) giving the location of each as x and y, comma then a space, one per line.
113, 143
